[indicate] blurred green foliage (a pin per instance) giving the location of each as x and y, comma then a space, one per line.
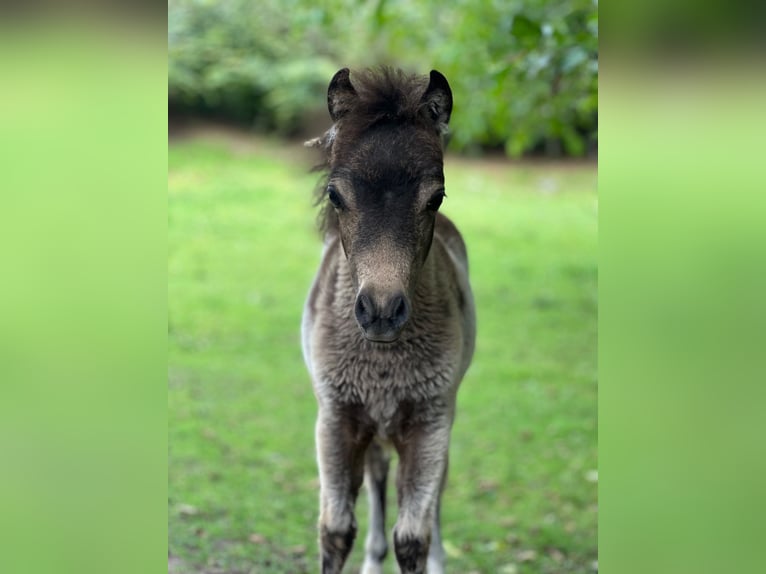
524, 72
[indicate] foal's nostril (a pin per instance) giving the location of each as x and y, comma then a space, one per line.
399, 311
381, 320
364, 310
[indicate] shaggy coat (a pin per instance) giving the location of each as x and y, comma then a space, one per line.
389, 324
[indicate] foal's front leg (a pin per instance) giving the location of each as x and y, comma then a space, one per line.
422, 468
340, 454
375, 475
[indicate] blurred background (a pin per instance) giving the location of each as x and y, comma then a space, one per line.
247, 84
525, 72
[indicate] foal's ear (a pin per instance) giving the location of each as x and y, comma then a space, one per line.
340, 95
437, 100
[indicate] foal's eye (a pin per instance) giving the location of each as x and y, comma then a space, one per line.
334, 197
435, 201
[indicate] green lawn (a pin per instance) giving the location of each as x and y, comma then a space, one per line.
522, 492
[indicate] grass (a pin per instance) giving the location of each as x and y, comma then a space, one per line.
243, 491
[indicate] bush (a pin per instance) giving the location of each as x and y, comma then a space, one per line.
244, 61
524, 74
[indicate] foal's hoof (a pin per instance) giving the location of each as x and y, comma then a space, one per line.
435, 566
371, 567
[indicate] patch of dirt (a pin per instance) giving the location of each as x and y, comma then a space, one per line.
247, 142
241, 141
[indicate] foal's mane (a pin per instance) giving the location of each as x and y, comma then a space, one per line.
383, 95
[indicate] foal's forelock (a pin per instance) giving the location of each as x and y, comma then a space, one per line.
380, 97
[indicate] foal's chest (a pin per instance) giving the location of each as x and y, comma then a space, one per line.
387, 386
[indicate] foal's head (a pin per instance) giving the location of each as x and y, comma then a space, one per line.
385, 186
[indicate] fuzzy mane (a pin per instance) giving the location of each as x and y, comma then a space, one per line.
383, 95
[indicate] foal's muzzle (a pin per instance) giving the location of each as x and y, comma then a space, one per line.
381, 318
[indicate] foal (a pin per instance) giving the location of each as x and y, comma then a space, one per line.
389, 325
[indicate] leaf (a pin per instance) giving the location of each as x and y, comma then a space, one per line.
187, 510
451, 550
573, 142
257, 538
525, 30
297, 551
379, 17
526, 555
573, 58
